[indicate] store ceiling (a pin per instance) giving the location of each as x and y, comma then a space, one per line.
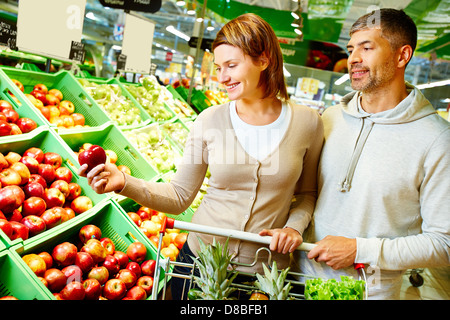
324, 20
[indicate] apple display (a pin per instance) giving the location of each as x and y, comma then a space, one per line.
93, 156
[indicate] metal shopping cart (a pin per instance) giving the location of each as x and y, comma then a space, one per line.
296, 279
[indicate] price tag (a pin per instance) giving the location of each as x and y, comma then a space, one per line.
8, 33
121, 61
77, 51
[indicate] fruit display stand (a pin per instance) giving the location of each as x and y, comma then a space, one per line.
69, 87
110, 137
116, 102
113, 225
48, 141
198, 98
11, 93
16, 281
177, 96
177, 131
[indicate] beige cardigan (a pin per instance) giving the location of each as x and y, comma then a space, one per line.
244, 194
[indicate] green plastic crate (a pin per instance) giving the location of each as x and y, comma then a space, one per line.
200, 101
70, 88
177, 135
16, 281
49, 141
145, 117
24, 108
113, 224
109, 136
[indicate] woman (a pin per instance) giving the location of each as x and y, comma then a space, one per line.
262, 153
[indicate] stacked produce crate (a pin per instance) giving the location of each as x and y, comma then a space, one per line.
124, 121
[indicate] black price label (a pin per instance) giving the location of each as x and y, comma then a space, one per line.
149, 6
121, 61
8, 34
77, 51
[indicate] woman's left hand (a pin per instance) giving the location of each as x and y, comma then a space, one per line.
283, 240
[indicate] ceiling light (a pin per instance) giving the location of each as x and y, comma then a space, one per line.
181, 3
298, 31
190, 9
210, 26
295, 14
178, 33
297, 23
433, 84
342, 79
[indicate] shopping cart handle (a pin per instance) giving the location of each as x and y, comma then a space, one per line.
235, 234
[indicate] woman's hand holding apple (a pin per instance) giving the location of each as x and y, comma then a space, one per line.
103, 178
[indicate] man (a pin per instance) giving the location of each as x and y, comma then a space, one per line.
384, 174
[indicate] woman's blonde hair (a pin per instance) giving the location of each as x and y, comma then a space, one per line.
255, 37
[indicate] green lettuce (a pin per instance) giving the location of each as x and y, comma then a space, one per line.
331, 289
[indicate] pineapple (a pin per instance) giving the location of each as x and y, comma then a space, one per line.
272, 283
215, 278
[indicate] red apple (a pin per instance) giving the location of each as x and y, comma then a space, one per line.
15, 129
52, 217
16, 216
54, 197
134, 267
39, 95
74, 190
92, 288
68, 105
122, 258
69, 212
11, 115
5, 105
146, 282
63, 212
93, 156
112, 264
136, 293
7, 200
78, 119
34, 189
95, 249
73, 291
136, 251
148, 267
99, 273
34, 224
10, 177
47, 258
135, 217
36, 153
36, 177
22, 170
26, 124
84, 261
72, 273
41, 87
53, 158
89, 231
128, 277
51, 99
64, 254
62, 185
33, 206
3, 162
18, 84
57, 93
47, 171
114, 289
36, 263
63, 173
81, 204
45, 112
31, 163
5, 128
19, 231
6, 227
109, 246
56, 279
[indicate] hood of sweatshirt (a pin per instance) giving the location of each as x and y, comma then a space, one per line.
410, 109
404, 112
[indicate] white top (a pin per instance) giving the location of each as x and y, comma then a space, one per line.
260, 141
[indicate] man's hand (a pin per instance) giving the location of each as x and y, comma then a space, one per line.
283, 240
336, 252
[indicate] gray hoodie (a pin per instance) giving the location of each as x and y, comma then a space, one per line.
384, 179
